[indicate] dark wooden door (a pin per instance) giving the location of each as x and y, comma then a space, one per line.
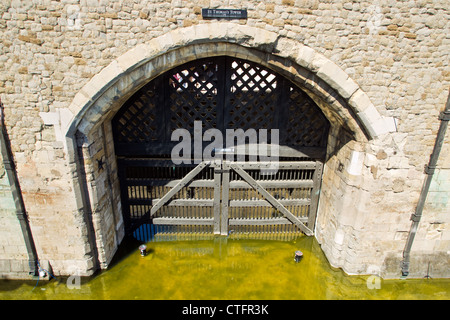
222, 93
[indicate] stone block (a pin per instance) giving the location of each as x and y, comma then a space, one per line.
19, 266
80, 100
378, 126
66, 117
356, 163
287, 48
49, 118
262, 38
336, 78
95, 86
219, 32
372, 121
85, 126
359, 101
370, 160
5, 266
110, 73
305, 56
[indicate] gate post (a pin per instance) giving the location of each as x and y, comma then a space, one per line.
315, 192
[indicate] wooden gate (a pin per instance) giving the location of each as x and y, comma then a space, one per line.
283, 202
218, 197
160, 198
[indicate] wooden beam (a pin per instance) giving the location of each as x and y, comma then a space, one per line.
184, 221
169, 183
266, 203
233, 184
278, 150
285, 165
273, 221
187, 202
182, 183
274, 184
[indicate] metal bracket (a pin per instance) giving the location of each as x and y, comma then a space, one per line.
444, 116
429, 169
222, 170
415, 217
405, 268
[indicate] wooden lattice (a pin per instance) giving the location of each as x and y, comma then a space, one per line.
138, 122
253, 97
192, 95
222, 93
305, 125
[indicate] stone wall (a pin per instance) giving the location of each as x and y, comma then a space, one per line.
13, 253
388, 57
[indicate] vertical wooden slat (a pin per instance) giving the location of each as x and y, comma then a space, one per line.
225, 197
217, 185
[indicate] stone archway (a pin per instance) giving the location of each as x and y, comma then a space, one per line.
317, 73
354, 118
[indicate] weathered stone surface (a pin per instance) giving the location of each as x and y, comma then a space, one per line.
335, 77
380, 73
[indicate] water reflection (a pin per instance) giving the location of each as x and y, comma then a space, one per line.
222, 268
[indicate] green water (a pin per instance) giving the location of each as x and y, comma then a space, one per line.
225, 269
